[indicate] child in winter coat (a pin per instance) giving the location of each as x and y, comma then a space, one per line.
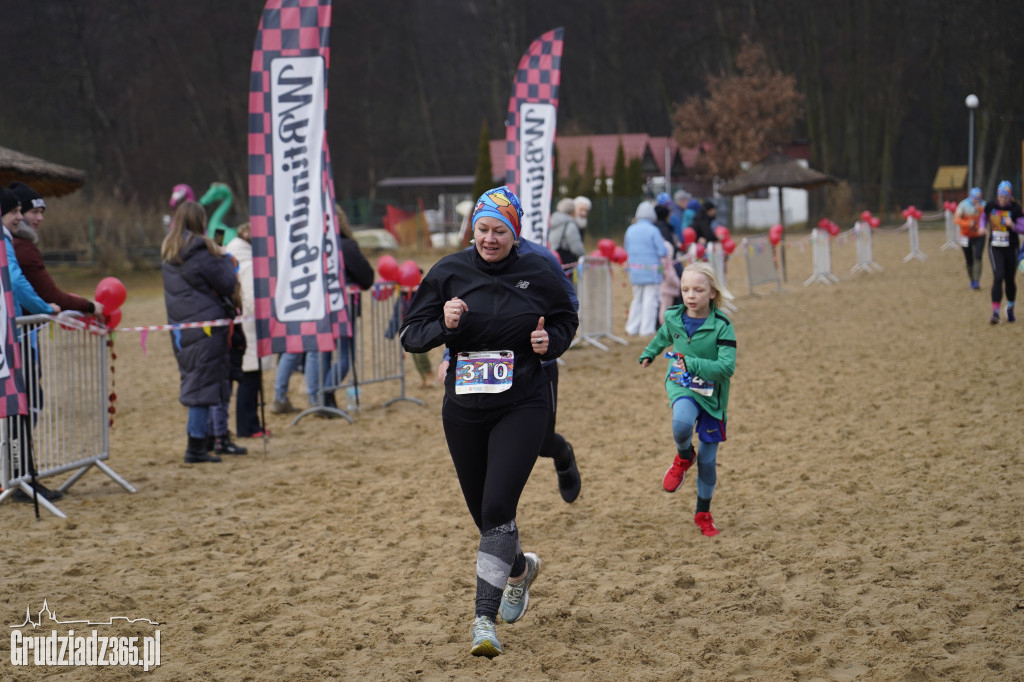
697, 382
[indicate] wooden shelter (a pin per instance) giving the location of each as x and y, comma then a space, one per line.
47, 178
776, 170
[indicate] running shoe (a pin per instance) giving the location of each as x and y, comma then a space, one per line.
995, 318
485, 639
676, 473
706, 524
516, 597
569, 477
1010, 317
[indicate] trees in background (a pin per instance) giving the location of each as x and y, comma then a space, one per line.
483, 181
145, 95
742, 117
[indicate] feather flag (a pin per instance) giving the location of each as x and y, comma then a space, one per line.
297, 266
530, 132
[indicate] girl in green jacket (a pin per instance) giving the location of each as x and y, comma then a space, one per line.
703, 359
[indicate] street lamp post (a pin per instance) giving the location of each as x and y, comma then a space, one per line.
972, 104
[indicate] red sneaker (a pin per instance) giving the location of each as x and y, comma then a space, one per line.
676, 474
706, 524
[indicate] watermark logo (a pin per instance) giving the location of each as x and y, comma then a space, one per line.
87, 646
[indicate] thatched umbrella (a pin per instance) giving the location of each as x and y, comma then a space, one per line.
776, 170
49, 179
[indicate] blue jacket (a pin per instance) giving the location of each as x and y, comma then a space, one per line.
645, 247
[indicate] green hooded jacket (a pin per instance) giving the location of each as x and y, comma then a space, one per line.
709, 354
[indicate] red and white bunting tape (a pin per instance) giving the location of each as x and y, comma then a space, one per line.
185, 325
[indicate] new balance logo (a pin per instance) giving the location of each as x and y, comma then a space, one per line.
522, 284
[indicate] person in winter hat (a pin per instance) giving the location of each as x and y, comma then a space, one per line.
30, 258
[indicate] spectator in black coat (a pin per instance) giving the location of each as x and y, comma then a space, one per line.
197, 278
704, 223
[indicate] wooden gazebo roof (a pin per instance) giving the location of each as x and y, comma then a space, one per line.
47, 178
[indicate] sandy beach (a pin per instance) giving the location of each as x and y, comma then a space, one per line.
869, 501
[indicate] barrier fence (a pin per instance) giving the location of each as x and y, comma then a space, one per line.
64, 363
594, 290
374, 352
915, 244
762, 263
717, 258
865, 257
821, 253
952, 232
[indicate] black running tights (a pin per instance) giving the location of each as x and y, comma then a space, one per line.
494, 453
1004, 269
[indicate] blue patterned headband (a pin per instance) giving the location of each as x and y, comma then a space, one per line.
502, 204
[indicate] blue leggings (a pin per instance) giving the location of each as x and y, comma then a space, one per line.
684, 416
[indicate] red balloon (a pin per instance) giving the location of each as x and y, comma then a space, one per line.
865, 215
606, 247
409, 274
387, 266
597, 254
874, 222
112, 318
833, 229
728, 245
619, 255
722, 232
110, 292
700, 251
689, 236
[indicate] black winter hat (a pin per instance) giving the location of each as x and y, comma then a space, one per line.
28, 197
8, 201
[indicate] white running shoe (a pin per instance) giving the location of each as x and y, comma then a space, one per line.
485, 639
516, 597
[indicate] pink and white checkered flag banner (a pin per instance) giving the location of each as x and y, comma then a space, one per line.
291, 193
13, 399
530, 132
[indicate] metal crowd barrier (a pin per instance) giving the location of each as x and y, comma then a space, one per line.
375, 349
952, 231
865, 257
717, 259
64, 364
915, 242
821, 251
594, 290
762, 263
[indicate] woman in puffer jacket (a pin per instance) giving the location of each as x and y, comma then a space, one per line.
197, 277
